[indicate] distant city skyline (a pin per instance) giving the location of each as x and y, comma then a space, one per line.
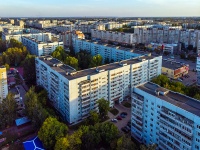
117, 8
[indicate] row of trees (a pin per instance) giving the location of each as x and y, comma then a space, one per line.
165, 82
36, 106
82, 60
17, 55
92, 135
8, 108
54, 134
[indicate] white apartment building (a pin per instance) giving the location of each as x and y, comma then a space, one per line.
3, 83
113, 25
39, 48
198, 70
74, 93
18, 36
119, 37
114, 53
166, 118
169, 35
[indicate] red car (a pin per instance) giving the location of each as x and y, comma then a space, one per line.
119, 118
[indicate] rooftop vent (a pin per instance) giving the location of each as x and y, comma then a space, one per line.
100, 70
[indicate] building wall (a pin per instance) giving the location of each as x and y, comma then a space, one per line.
155, 121
40, 48
76, 97
106, 51
198, 70
168, 72
120, 37
3, 83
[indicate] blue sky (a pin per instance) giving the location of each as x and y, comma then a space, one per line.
118, 8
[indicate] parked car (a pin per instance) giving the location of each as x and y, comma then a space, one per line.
119, 118
124, 113
124, 130
179, 79
114, 120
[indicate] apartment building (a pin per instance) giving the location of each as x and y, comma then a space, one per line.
41, 36
166, 118
69, 35
74, 93
174, 69
39, 48
3, 83
170, 35
119, 37
198, 70
107, 51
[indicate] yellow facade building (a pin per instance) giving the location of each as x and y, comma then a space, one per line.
174, 69
3, 83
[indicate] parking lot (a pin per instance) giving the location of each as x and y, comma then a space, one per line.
191, 79
124, 121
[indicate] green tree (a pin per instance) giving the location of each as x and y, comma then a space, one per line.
51, 131
161, 80
75, 140
96, 61
71, 61
90, 136
2, 46
34, 109
124, 143
7, 67
84, 59
59, 53
15, 43
103, 107
108, 132
197, 96
29, 69
8, 108
94, 117
62, 144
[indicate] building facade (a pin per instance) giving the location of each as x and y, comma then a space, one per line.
198, 70
168, 119
174, 69
3, 83
119, 37
74, 93
107, 51
39, 48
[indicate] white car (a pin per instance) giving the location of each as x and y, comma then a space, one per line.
180, 79
114, 120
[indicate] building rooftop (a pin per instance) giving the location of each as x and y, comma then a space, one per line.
70, 73
172, 64
182, 101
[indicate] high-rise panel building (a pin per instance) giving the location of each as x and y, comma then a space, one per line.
74, 93
3, 83
166, 118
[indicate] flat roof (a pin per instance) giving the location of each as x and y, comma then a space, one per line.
63, 69
185, 102
172, 64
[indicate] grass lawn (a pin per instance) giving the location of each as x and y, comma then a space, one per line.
127, 104
114, 111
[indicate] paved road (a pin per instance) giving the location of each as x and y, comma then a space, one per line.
21, 91
124, 121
